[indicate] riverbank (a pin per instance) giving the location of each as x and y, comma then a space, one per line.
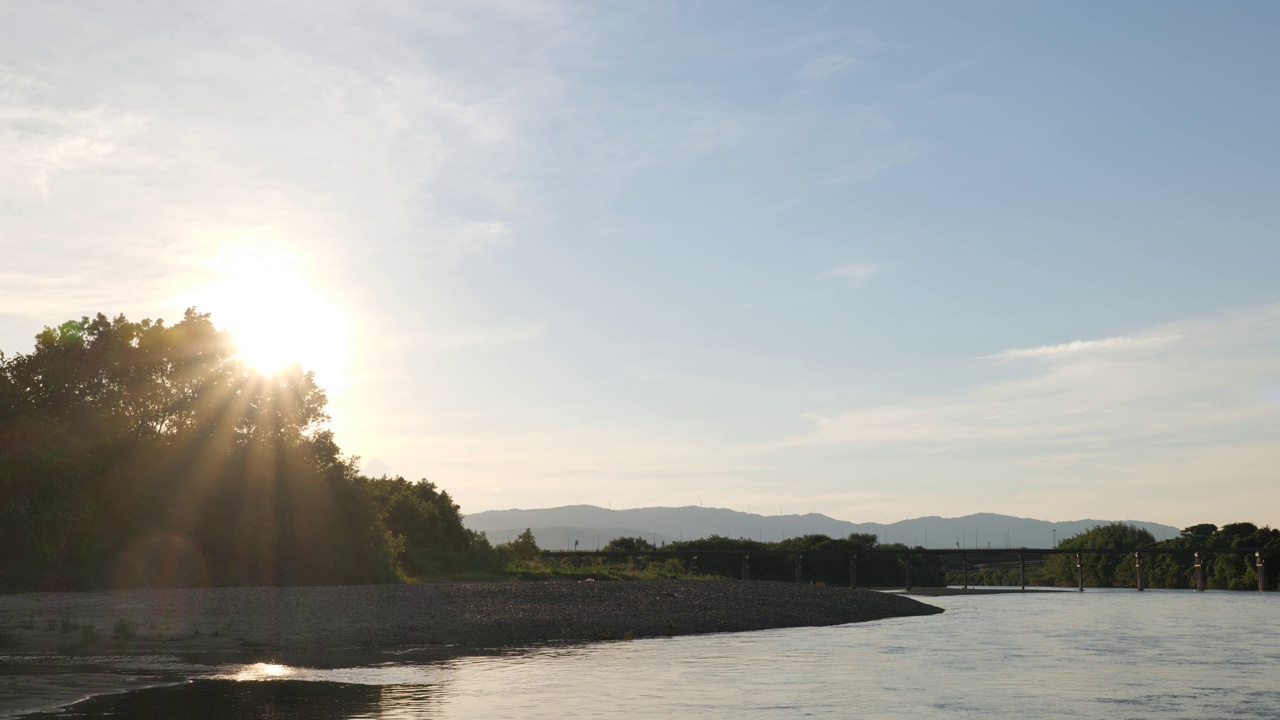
251, 623
338, 626
973, 590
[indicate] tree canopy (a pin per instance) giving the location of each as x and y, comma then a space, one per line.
1165, 569
141, 453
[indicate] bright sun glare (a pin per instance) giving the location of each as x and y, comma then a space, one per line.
277, 319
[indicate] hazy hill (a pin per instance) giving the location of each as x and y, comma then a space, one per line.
557, 528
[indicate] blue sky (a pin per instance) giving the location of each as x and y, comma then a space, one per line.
876, 260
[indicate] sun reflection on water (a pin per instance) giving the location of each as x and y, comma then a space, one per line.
262, 671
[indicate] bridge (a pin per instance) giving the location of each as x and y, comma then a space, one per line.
691, 557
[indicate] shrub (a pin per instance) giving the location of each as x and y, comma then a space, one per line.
86, 636
124, 630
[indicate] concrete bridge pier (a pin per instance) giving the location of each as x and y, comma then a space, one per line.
1137, 569
908, 572
1022, 570
1079, 573
1262, 572
964, 564
853, 572
746, 567
1199, 568
799, 568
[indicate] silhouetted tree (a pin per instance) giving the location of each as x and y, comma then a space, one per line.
141, 453
629, 544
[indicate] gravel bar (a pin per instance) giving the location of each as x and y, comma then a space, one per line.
330, 625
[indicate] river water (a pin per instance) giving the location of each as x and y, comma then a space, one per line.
1100, 654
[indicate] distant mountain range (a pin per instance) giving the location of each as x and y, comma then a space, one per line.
591, 527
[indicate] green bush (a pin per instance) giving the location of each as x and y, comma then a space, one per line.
86, 636
124, 630
593, 569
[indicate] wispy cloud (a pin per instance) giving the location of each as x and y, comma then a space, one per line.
1103, 391
824, 67
41, 142
855, 273
267, 130
1102, 414
1089, 434
803, 42
477, 236
1078, 347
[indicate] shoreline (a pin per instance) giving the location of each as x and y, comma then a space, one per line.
346, 626
972, 590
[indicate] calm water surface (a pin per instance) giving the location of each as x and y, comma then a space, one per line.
1101, 654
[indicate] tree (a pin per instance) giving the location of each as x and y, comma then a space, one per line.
427, 525
629, 545
1100, 570
131, 446
524, 547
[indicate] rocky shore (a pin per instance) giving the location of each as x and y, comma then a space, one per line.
57, 648
310, 624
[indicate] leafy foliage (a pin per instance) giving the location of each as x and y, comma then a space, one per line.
1099, 570
124, 630
429, 538
143, 454
832, 569
596, 569
629, 545
524, 547
1223, 571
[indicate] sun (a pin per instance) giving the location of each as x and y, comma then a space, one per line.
275, 316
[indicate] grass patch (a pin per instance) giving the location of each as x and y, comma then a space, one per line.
467, 575
594, 569
124, 630
86, 635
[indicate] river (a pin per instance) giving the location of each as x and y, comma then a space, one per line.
1098, 654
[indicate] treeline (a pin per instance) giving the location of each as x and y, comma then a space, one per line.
145, 454
823, 559
1174, 570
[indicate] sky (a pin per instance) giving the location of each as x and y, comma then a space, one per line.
875, 260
